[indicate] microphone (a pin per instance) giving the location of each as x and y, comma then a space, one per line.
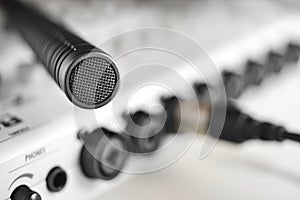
87, 75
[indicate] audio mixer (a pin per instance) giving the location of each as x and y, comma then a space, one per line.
46, 141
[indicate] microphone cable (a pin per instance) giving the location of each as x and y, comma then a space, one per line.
238, 126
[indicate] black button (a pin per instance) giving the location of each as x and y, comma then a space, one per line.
233, 84
275, 62
254, 73
292, 53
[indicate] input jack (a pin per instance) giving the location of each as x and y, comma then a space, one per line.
56, 179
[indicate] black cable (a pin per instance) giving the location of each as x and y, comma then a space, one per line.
240, 127
292, 136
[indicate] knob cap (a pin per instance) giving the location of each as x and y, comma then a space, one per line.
103, 155
23, 192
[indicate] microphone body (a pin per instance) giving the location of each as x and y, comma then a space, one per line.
87, 75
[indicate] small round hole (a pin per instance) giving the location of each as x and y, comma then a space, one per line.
56, 179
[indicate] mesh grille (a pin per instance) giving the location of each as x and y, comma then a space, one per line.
93, 81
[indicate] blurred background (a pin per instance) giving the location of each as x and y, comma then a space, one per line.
232, 32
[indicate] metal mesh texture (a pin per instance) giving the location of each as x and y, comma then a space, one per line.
93, 80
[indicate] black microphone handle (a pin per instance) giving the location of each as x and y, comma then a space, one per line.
61, 52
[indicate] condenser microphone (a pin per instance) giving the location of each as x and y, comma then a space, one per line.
88, 76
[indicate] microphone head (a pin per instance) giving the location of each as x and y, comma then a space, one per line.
92, 81
87, 75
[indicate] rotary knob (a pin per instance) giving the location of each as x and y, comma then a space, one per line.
104, 154
23, 192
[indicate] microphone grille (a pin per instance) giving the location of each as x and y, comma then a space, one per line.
93, 81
